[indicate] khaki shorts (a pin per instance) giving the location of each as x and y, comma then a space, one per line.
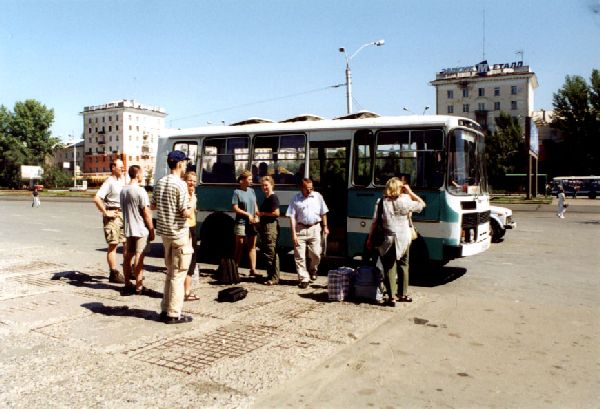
138, 245
113, 229
245, 230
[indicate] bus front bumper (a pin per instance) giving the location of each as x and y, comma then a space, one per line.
465, 249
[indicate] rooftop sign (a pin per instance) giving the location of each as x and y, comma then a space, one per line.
482, 68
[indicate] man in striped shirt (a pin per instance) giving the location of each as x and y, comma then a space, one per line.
170, 199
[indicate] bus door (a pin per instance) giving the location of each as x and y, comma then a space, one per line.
328, 168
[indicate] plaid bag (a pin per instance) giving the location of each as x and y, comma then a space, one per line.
338, 283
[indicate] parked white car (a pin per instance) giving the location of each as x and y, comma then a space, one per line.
501, 219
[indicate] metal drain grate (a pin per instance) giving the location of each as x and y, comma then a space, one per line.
37, 280
28, 267
188, 354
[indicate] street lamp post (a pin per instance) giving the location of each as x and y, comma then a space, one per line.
378, 43
74, 161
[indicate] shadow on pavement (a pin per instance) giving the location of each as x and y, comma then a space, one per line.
121, 311
79, 279
437, 277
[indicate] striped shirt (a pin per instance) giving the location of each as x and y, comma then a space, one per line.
171, 199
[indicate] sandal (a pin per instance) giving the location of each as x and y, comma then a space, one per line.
271, 282
191, 297
405, 298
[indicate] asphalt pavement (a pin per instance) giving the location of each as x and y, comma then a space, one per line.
516, 326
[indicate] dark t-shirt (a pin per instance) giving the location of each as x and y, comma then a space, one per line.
270, 204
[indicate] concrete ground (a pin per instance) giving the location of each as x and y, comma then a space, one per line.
516, 326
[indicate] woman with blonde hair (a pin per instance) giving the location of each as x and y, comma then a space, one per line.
190, 180
397, 203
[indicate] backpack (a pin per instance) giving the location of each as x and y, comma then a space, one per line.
227, 272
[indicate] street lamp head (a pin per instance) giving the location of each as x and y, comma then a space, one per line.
342, 49
379, 43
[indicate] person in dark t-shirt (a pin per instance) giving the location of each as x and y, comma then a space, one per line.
268, 212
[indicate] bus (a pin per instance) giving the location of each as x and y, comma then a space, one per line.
577, 185
349, 159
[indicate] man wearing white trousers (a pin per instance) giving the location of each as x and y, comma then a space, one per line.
308, 215
170, 198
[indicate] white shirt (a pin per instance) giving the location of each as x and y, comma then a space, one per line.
307, 210
110, 191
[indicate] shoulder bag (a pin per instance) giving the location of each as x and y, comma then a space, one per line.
378, 236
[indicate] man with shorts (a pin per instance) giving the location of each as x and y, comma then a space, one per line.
170, 198
139, 231
108, 203
308, 213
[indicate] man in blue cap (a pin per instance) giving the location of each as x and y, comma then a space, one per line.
170, 199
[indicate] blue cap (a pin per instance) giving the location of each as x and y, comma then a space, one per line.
177, 156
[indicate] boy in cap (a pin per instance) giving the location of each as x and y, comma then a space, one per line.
170, 198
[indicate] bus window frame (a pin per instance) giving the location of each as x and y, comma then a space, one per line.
226, 138
192, 164
441, 150
278, 135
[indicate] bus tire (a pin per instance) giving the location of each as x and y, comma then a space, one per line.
420, 267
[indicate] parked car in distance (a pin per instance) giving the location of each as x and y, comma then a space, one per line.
501, 219
77, 188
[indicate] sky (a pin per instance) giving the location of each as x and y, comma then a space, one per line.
207, 62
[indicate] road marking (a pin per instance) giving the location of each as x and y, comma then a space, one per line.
52, 230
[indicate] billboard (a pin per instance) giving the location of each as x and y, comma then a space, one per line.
31, 172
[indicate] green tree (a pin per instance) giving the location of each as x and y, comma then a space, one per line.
577, 116
25, 139
504, 149
56, 178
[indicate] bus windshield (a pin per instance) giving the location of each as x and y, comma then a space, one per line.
466, 163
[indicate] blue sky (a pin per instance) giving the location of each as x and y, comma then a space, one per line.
213, 61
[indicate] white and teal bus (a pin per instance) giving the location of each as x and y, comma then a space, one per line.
349, 160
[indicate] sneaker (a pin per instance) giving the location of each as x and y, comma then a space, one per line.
313, 277
116, 276
303, 285
182, 319
128, 290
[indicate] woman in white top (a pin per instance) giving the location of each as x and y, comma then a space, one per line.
398, 202
561, 202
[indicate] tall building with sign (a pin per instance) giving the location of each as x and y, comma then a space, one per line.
125, 130
482, 91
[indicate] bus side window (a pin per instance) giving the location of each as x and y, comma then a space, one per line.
223, 159
191, 150
363, 158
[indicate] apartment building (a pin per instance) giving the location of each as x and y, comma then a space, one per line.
125, 130
480, 92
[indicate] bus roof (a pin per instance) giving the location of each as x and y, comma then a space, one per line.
252, 127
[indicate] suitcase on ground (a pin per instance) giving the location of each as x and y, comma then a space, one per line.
368, 274
227, 272
232, 294
338, 283
367, 284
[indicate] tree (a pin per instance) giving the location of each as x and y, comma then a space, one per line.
504, 149
25, 139
55, 177
577, 115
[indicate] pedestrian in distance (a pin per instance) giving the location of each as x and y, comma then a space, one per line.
308, 217
397, 203
138, 228
562, 204
191, 179
269, 229
244, 205
170, 199
107, 200
36, 197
